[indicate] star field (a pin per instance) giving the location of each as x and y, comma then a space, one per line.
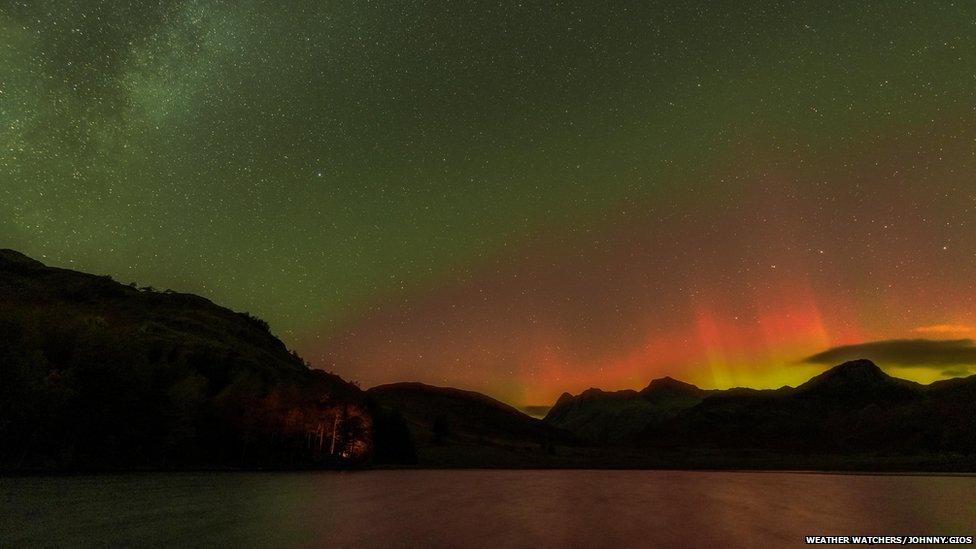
516, 198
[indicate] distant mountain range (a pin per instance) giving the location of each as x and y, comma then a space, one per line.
853, 416
852, 408
619, 416
99, 375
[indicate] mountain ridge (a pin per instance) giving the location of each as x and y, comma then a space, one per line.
687, 411
99, 375
440, 412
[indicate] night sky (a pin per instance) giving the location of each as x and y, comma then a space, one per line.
516, 198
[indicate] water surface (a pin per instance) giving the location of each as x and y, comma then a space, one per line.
478, 508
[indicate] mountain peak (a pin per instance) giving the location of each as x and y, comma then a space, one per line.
670, 385
563, 399
857, 379
861, 370
668, 381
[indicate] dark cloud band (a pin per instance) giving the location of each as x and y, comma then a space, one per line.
903, 352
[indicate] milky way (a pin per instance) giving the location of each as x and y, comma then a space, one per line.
516, 198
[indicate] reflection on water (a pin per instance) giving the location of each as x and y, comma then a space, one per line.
478, 508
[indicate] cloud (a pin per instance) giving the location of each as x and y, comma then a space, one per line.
922, 353
945, 329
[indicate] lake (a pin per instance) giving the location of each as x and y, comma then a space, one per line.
478, 508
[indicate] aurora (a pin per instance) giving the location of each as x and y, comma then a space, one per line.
516, 199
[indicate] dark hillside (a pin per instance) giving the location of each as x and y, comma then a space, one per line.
468, 426
101, 375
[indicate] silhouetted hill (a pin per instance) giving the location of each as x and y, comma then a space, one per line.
853, 408
858, 381
616, 417
669, 387
441, 415
100, 375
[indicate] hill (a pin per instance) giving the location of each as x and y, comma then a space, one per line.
853, 413
455, 427
101, 375
617, 417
